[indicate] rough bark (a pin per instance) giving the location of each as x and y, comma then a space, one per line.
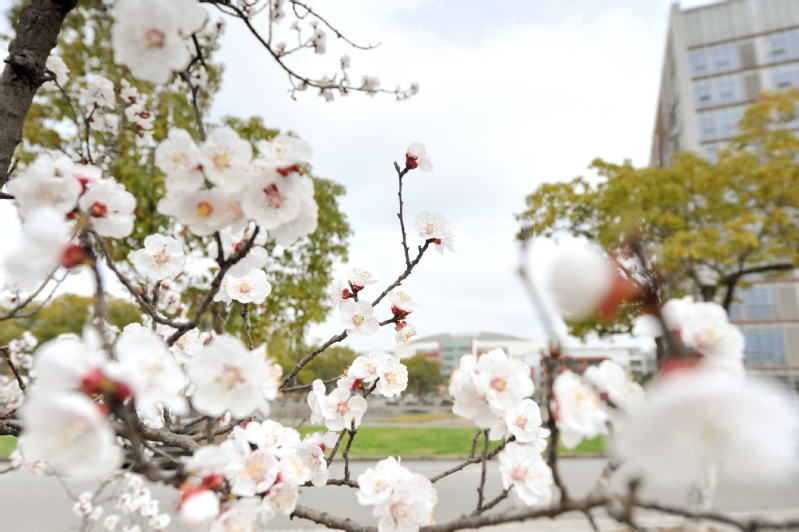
37, 34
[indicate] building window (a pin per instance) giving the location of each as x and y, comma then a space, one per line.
702, 95
698, 63
783, 46
712, 152
760, 303
783, 77
764, 346
707, 126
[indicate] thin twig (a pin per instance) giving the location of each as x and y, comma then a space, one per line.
245, 315
7, 352
484, 460
346, 454
499, 498
474, 443
400, 175
472, 460
335, 448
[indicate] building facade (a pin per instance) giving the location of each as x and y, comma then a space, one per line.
718, 60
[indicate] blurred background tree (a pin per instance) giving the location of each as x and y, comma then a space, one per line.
299, 275
708, 226
424, 375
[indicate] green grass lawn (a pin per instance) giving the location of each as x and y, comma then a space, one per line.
7, 445
401, 441
424, 442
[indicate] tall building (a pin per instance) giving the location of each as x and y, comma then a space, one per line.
718, 60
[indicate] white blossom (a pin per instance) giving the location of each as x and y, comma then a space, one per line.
39, 186
523, 468
338, 291
416, 157
405, 333
271, 199
524, 423
225, 157
393, 378
342, 411
69, 432
431, 225
99, 91
283, 153
504, 381
147, 36
179, 158
358, 318
367, 367
161, 257
697, 419
251, 288
316, 398
581, 279
579, 411
401, 303
359, 278
469, 401
56, 66
199, 507
44, 236
303, 224
241, 516
110, 207
227, 376
611, 379
203, 211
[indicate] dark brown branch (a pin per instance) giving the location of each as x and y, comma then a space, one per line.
303, 387
310, 11
37, 34
498, 499
404, 274
335, 448
310, 356
7, 352
474, 443
731, 281
472, 460
346, 454
330, 521
25, 302
484, 464
400, 175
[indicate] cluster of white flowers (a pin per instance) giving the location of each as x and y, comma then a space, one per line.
701, 326
403, 501
268, 189
136, 504
264, 465
433, 226
147, 36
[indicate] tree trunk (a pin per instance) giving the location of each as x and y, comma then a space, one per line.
37, 35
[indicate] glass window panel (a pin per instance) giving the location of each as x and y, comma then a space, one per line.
765, 346
698, 63
702, 94
760, 303
707, 126
777, 47
783, 76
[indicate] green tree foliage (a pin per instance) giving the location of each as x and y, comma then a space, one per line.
424, 374
731, 219
68, 313
299, 275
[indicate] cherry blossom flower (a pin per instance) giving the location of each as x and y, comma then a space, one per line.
405, 332
56, 66
523, 468
581, 279
282, 496
225, 157
282, 441
241, 516
357, 317
147, 36
579, 411
393, 377
366, 368
284, 153
431, 225
203, 211
359, 278
38, 186
416, 157
227, 376
44, 237
161, 258
611, 379
104, 123
504, 381
342, 411
370, 83
312, 453
696, 419
68, 431
198, 507
401, 303
303, 224
448, 243
110, 207
271, 199
232, 241
404, 501
316, 398
68, 363
251, 288
149, 368
179, 158
702, 326
127, 92
524, 423
319, 41
252, 471
469, 401
99, 91
207, 462
338, 291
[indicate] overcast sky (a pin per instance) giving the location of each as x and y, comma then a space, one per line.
514, 93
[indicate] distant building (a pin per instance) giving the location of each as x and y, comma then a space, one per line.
718, 60
448, 349
768, 315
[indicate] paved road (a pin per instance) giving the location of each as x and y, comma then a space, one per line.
31, 503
